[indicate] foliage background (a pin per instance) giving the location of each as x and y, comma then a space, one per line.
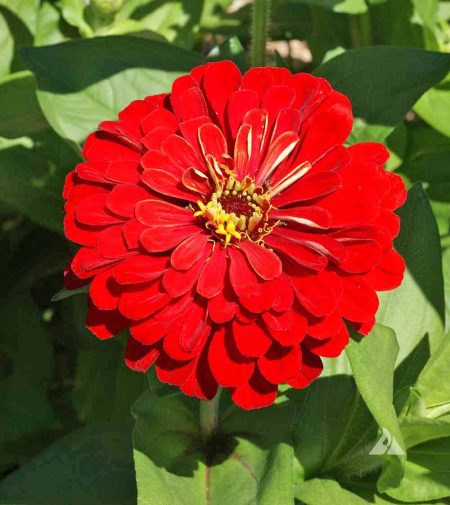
65, 398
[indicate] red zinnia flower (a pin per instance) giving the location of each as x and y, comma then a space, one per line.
226, 225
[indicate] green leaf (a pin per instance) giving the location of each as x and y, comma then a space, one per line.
75, 102
434, 381
341, 447
31, 178
426, 473
230, 49
415, 310
434, 107
7, 45
446, 272
105, 388
326, 492
342, 6
417, 430
25, 10
73, 13
91, 466
65, 293
176, 20
383, 83
248, 462
20, 113
375, 381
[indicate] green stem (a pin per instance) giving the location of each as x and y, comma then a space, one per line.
209, 416
260, 27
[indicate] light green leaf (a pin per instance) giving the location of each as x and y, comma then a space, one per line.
20, 113
91, 466
7, 45
446, 272
417, 430
176, 20
50, 26
434, 107
342, 6
415, 310
25, 10
73, 13
434, 381
249, 462
326, 492
373, 362
427, 475
383, 83
132, 68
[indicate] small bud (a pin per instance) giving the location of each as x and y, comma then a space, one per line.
106, 7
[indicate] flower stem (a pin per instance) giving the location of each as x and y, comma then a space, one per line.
209, 416
260, 27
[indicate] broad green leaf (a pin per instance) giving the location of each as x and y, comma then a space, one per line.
105, 389
7, 45
333, 431
383, 83
51, 28
326, 492
417, 430
415, 310
31, 178
434, 107
427, 475
176, 20
342, 6
132, 68
373, 362
91, 466
446, 272
249, 462
26, 364
25, 10
73, 13
433, 383
20, 113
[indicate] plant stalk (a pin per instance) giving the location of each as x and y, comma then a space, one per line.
209, 416
260, 28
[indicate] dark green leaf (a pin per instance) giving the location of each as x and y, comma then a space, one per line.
91, 466
383, 83
20, 113
75, 102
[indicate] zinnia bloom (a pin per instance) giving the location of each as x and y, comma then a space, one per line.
230, 230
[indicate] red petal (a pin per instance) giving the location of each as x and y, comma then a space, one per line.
143, 301
140, 357
359, 301
158, 213
389, 272
148, 332
111, 243
287, 328
227, 365
297, 253
177, 282
165, 238
254, 394
140, 269
92, 211
311, 368
315, 294
222, 307
159, 118
124, 172
362, 256
212, 277
332, 347
251, 340
189, 251
104, 292
280, 364
242, 277
105, 323
263, 261
239, 104
167, 184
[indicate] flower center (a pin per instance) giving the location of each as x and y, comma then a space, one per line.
236, 210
